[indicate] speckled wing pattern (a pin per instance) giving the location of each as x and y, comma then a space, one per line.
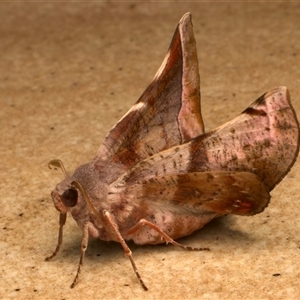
167, 114
263, 139
231, 169
158, 152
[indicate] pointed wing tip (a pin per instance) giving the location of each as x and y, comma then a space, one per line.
279, 89
187, 17
284, 90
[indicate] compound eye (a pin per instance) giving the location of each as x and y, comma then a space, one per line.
69, 197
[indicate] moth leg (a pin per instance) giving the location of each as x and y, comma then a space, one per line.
62, 222
167, 238
128, 253
84, 245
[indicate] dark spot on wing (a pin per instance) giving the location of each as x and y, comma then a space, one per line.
254, 112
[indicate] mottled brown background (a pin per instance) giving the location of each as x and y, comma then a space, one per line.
68, 72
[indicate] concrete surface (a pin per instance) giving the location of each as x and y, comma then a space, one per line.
68, 72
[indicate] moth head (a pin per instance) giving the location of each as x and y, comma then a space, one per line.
64, 196
72, 191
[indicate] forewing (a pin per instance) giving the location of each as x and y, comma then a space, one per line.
264, 139
219, 192
168, 112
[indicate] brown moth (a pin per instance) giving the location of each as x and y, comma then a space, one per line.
158, 177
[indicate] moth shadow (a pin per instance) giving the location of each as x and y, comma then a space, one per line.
220, 232
214, 235
96, 248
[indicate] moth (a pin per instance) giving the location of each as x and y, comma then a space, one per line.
158, 176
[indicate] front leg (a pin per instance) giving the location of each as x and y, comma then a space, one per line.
84, 245
62, 222
167, 238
